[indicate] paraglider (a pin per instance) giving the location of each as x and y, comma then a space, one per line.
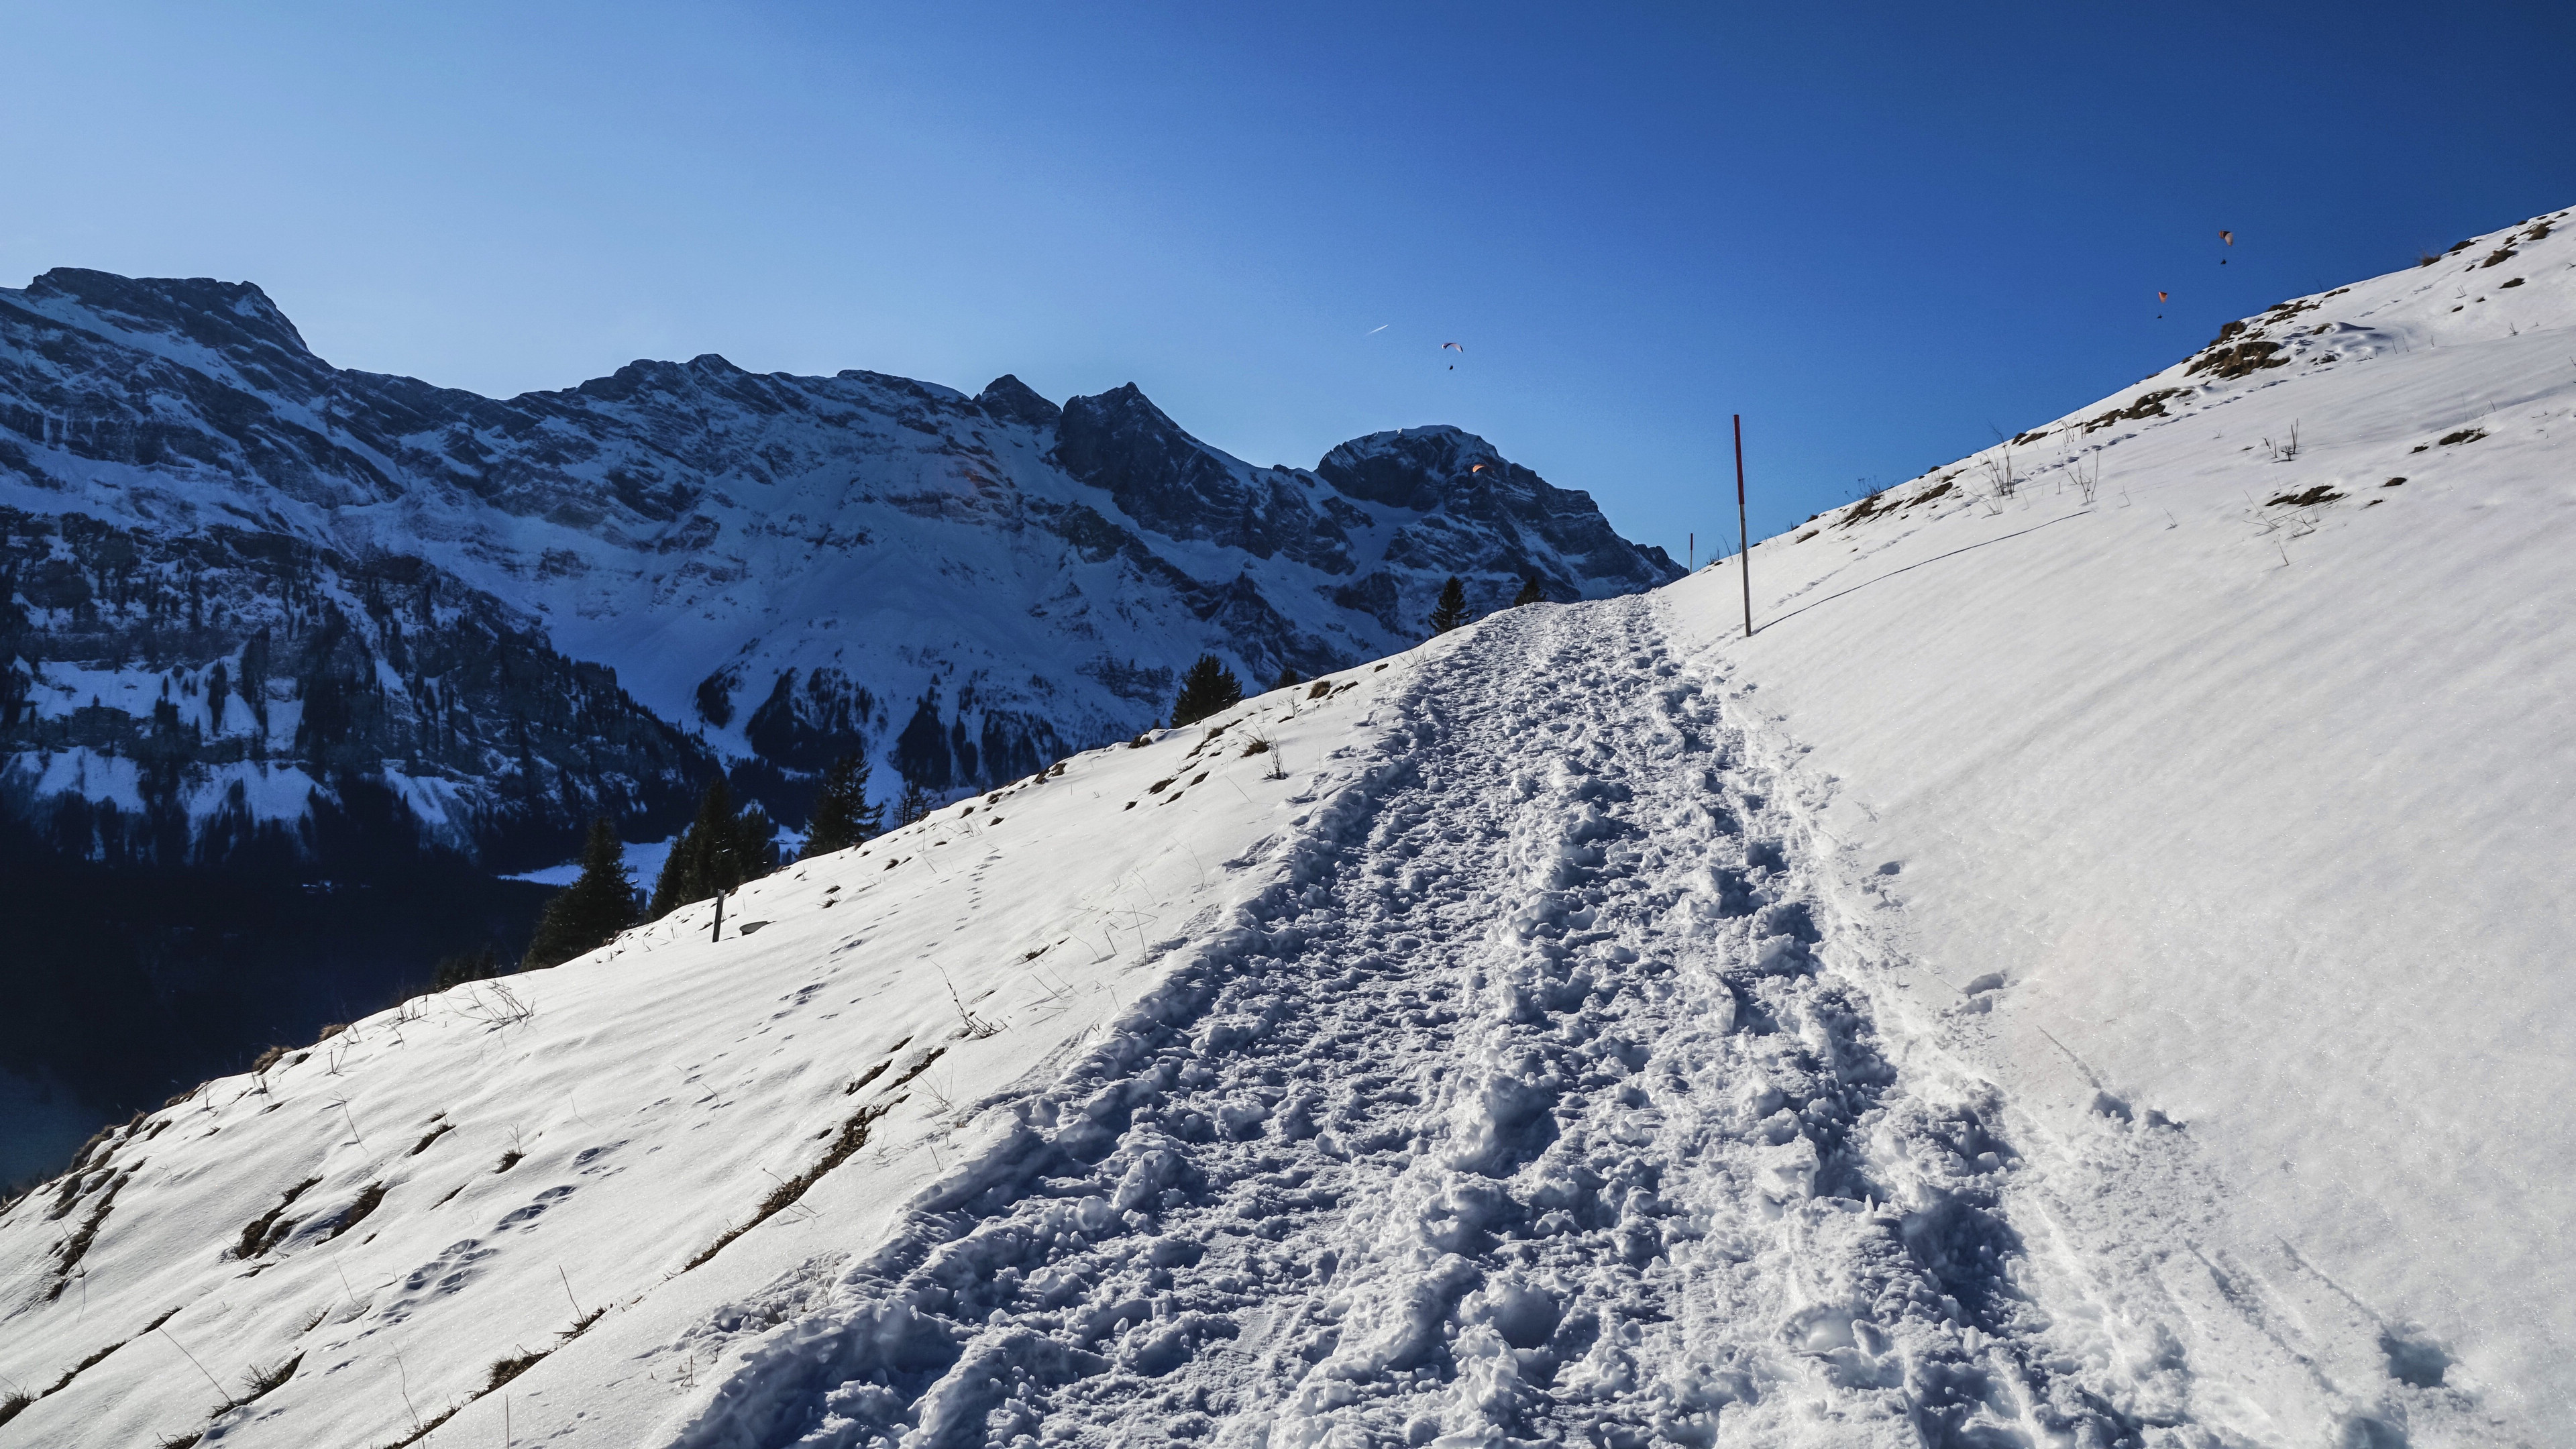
1479, 468
2227, 238
2160, 301
1452, 346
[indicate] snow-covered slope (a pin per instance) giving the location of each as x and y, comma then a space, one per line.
2072, 977
2251, 784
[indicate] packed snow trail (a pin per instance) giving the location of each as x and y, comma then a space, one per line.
1528, 1108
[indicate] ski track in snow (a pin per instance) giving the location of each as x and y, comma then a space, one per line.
1529, 1106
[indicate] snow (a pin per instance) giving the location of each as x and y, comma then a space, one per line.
643, 865
2271, 848
2078, 975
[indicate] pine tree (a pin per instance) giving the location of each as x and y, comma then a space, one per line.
1530, 593
583, 916
1451, 611
479, 964
720, 850
842, 815
915, 805
1287, 677
1208, 688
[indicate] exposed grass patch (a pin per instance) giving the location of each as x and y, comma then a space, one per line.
2322, 493
78, 1244
1870, 506
2152, 405
423, 1430
261, 1382
504, 1370
2239, 359
372, 1194
256, 1237
853, 1136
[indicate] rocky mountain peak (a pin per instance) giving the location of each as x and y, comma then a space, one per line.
1119, 441
1008, 398
1408, 467
226, 316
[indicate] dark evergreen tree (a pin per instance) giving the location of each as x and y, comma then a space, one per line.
842, 815
915, 805
1451, 611
584, 915
1287, 677
721, 849
1208, 688
1530, 593
480, 964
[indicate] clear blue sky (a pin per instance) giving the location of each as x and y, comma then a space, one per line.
1877, 231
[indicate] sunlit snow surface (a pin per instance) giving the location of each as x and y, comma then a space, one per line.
2079, 975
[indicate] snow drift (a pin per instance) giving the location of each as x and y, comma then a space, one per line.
2083, 972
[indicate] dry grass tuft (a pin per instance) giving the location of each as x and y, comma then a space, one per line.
372, 1194
256, 1237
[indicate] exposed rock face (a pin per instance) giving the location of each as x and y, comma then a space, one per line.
795, 567
191, 698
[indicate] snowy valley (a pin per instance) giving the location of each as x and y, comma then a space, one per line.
2086, 971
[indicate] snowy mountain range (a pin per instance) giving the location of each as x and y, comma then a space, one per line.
242, 582
2089, 970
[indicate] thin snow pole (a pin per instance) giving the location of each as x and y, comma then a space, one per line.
716, 932
1743, 531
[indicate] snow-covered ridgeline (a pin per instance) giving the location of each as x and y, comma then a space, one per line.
966, 587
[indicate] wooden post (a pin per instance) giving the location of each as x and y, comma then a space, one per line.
1743, 532
716, 932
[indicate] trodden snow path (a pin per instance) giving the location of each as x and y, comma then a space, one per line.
1536, 1103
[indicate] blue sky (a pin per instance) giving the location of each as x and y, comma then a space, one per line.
1877, 231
